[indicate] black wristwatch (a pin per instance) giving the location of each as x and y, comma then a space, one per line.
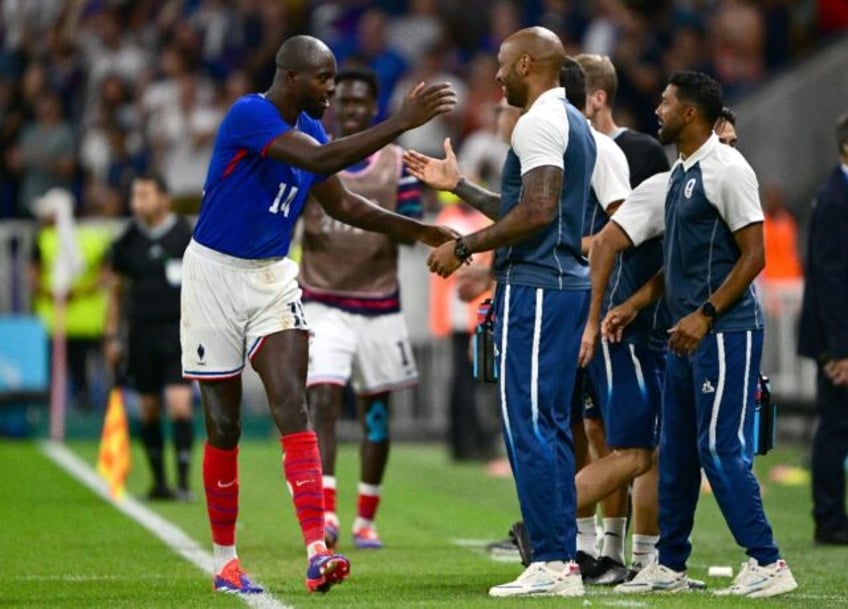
461, 251
709, 310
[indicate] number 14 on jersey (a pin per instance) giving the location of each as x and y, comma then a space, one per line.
283, 200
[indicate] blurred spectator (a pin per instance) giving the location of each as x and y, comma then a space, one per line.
780, 233
182, 136
45, 154
12, 116
737, 32
483, 152
107, 48
833, 16
85, 306
482, 94
428, 138
568, 19
416, 30
371, 48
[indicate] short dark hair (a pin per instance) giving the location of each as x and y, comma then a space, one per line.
701, 91
842, 133
727, 115
573, 78
155, 177
366, 75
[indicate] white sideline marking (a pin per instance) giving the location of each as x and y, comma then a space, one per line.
171, 535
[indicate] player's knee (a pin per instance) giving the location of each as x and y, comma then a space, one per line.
642, 459
223, 433
376, 421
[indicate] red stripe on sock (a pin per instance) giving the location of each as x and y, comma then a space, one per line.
302, 469
366, 506
220, 482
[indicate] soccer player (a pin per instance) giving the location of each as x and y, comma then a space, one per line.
713, 250
352, 301
240, 298
541, 296
145, 273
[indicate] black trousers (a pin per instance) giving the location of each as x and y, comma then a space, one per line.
830, 448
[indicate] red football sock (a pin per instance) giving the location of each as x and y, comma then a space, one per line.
302, 468
366, 505
329, 499
220, 481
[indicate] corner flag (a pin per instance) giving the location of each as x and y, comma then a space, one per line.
113, 460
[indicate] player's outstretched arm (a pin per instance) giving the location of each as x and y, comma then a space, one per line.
444, 174
421, 104
605, 246
350, 208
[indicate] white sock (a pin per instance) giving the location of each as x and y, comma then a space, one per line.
329, 481
614, 538
221, 555
369, 489
587, 536
314, 548
644, 551
362, 523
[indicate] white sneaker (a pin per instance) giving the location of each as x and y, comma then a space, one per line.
655, 578
540, 579
756, 581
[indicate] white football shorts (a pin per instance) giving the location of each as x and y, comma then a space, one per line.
372, 351
229, 305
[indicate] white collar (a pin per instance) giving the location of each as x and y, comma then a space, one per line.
705, 149
557, 92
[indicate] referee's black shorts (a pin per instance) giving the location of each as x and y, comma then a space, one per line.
154, 356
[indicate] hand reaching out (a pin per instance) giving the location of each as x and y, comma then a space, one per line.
424, 102
441, 174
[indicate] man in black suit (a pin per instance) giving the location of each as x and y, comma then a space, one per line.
824, 337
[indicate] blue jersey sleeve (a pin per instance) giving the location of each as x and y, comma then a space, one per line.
253, 123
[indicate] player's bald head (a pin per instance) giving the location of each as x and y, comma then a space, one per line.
300, 53
541, 44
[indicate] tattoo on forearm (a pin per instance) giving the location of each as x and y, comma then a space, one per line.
478, 197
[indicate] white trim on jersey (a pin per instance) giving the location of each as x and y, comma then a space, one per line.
642, 215
611, 175
540, 137
730, 183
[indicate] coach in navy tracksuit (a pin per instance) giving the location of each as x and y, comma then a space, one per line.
713, 251
542, 298
824, 337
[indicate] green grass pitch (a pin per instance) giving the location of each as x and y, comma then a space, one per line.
62, 546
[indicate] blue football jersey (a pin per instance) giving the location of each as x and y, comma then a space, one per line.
251, 202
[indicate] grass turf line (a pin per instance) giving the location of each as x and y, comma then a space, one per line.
427, 502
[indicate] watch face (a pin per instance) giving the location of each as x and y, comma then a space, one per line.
461, 251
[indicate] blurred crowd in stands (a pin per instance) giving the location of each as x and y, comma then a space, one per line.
92, 92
